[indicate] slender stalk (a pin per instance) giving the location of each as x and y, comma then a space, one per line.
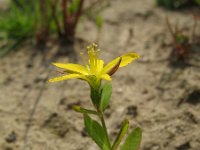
78, 13
65, 15
100, 114
42, 35
96, 98
54, 9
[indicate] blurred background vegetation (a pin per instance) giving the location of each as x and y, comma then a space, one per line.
41, 19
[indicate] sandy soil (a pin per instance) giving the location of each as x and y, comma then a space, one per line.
163, 100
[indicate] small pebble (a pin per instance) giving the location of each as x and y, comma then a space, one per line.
12, 137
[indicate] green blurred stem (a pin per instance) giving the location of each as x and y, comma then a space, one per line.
96, 98
100, 114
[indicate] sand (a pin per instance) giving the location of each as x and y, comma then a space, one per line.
161, 99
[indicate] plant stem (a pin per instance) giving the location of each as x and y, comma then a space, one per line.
54, 10
78, 13
65, 15
104, 126
96, 98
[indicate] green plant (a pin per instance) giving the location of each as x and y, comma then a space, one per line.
39, 19
93, 73
183, 43
180, 42
15, 26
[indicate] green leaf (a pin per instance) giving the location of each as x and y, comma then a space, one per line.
84, 111
121, 134
133, 140
96, 132
106, 92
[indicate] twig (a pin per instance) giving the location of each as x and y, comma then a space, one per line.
65, 15
44, 13
78, 13
53, 8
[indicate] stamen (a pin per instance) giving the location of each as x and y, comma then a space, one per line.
88, 48
93, 54
94, 45
98, 53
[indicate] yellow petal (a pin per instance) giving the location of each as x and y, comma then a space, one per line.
106, 77
66, 77
128, 58
124, 60
75, 68
111, 65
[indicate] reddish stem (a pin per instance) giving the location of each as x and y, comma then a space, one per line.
53, 8
78, 13
65, 15
42, 35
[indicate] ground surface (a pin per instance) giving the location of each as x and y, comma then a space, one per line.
163, 100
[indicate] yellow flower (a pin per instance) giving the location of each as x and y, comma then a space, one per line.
95, 70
